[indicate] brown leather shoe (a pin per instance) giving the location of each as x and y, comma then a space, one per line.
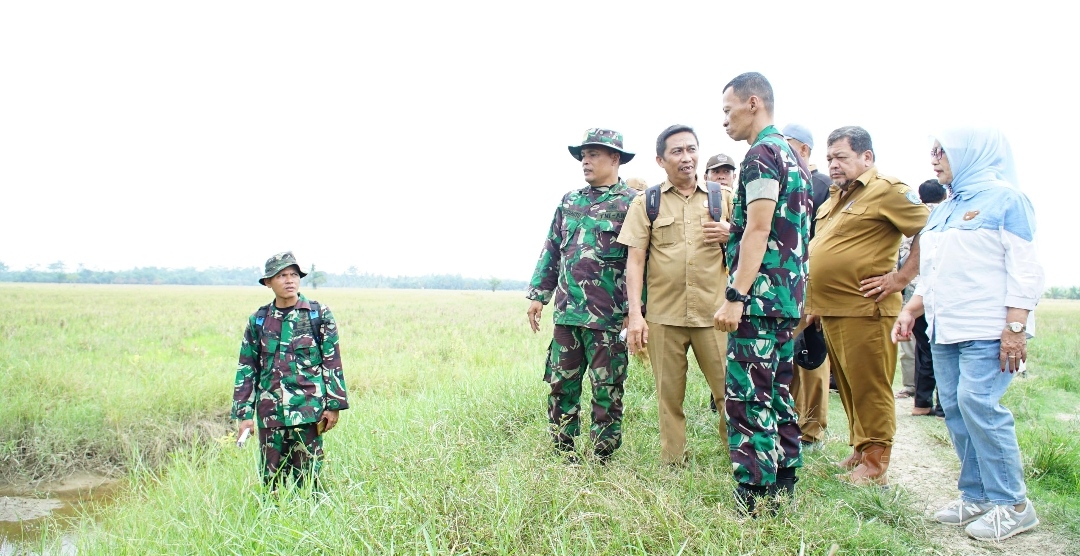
873, 469
851, 461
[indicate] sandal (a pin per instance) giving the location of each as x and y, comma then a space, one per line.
905, 393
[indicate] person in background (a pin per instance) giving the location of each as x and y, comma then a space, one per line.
981, 280
931, 192
810, 387
289, 377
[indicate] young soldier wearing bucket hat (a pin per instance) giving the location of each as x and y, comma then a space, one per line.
581, 268
289, 376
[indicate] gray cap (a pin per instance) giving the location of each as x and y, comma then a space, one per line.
799, 133
720, 160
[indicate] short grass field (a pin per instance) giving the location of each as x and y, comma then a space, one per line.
445, 448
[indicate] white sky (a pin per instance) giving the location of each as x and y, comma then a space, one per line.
430, 137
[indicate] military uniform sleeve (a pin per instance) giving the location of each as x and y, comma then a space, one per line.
761, 174
546, 276
247, 371
901, 206
636, 229
333, 376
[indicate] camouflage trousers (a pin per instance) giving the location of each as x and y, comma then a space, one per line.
572, 350
763, 428
294, 452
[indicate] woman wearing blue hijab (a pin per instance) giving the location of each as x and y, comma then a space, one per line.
980, 281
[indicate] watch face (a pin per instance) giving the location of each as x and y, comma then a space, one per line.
1016, 327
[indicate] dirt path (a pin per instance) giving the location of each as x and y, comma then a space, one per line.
927, 467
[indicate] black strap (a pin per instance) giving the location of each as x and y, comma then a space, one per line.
716, 201
314, 316
652, 202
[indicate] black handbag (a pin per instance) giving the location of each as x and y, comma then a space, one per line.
810, 350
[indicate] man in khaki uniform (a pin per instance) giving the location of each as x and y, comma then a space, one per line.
810, 387
855, 292
686, 281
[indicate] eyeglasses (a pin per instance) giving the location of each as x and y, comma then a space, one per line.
936, 153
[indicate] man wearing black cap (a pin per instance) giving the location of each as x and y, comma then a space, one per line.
582, 268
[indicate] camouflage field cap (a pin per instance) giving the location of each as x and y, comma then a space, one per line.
606, 138
280, 262
720, 160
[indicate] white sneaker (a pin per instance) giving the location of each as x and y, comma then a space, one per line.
962, 512
1003, 522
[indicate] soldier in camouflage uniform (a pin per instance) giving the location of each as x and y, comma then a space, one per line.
582, 268
767, 253
289, 376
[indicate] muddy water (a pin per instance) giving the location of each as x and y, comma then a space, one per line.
25, 510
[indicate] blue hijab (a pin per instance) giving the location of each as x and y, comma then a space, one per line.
980, 158
982, 165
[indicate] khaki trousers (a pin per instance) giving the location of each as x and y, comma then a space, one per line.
810, 390
864, 362
668, 352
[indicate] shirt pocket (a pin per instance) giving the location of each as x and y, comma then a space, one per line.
568, 231
663, 231
306, 352
848, 220
607, 246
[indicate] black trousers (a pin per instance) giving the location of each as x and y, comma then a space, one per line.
924, 366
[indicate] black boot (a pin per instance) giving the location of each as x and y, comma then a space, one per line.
566, 451
748, 497
784, 487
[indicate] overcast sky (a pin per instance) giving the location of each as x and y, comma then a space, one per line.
430, 137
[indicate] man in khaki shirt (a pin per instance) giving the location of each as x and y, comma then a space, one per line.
854, 291
687, 277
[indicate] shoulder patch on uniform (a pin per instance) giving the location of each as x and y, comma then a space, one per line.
913, 197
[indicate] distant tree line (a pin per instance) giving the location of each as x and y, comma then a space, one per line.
1062, 293
59, 272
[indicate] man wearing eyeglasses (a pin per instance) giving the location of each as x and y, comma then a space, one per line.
854, 289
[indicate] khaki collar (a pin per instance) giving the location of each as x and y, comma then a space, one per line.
700, 182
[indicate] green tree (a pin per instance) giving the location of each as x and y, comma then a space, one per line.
316, 277
3, 267
494, 283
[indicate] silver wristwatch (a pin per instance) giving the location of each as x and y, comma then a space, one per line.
1016, 327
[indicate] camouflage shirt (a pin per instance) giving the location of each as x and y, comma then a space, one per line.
283, 376
779, 286
582, 265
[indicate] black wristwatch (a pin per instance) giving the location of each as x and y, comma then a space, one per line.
733, 294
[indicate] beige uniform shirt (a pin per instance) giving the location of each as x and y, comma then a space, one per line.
685, 278
857, 237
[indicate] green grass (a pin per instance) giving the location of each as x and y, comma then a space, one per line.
444, 450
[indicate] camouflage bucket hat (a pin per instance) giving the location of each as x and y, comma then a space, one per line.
280, 262
605, 138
